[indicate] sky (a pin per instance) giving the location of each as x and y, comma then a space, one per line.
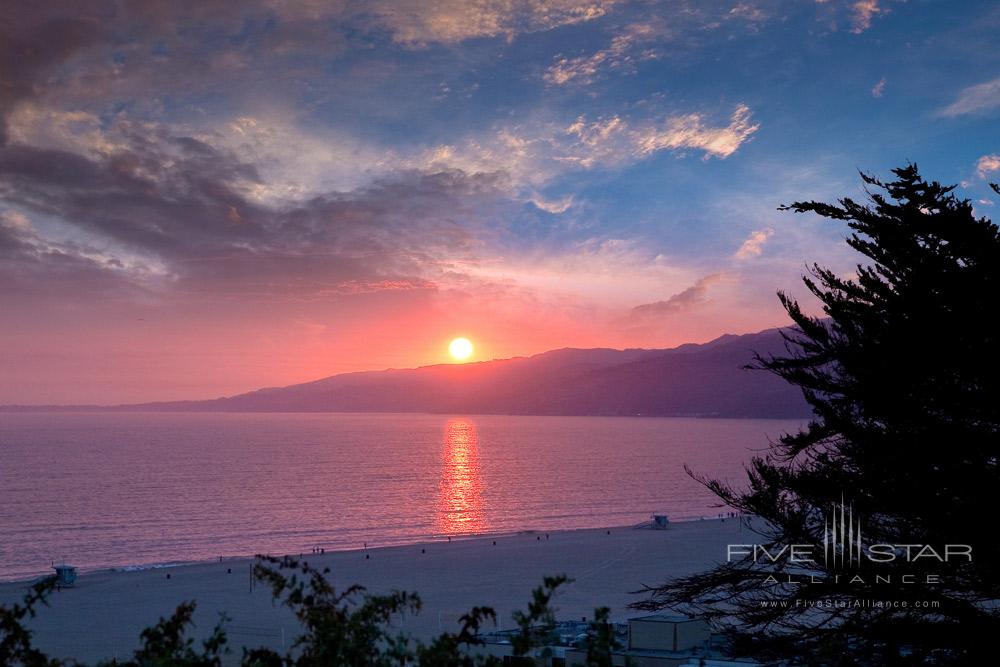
203, 198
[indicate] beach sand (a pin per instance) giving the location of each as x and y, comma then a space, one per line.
102, 616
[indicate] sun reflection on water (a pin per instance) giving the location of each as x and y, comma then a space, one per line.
460, 498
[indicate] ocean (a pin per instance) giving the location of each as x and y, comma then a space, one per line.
123, 490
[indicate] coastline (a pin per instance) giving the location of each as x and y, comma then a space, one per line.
419, 541
102, 615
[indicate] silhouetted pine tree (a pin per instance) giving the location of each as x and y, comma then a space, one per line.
903, 376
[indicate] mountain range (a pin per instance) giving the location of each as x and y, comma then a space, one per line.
702, 380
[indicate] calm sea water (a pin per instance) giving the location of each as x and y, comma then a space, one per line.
113, 490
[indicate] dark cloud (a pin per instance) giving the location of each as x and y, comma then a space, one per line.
31, 267
153, 204
169, 197
31, 45
111, 55
156, 196
190, 208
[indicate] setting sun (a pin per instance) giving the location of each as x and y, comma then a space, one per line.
460, 348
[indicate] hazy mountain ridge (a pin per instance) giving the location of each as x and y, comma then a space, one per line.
692, 380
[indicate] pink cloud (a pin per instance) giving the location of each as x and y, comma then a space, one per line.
863, 12
987, 164
753, 246
690, 131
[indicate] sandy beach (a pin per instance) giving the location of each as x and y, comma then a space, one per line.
101, 617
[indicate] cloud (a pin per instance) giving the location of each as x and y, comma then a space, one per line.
532, 155
16, 223
987, 164
859, 14
862, 13
94, 51
975, 99
624, 52
879, 88
33, 267
612, 139
188, 209
261, 201
693, 296
554, 206
605, 141
30, 49
78, 131
418, 22
748, 12
753, 246
649, 36
690, 131
297, 163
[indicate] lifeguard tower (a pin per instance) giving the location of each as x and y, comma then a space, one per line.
65, 575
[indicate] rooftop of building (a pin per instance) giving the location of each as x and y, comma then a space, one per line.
664, 618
